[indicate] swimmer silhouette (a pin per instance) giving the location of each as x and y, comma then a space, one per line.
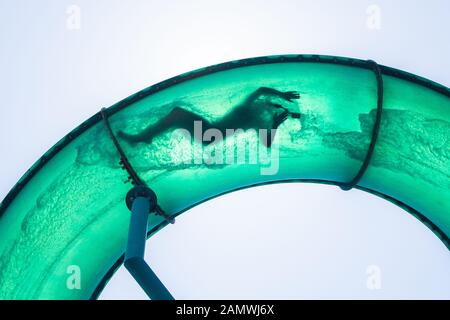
258, 111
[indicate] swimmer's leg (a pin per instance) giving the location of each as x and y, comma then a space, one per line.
178, 118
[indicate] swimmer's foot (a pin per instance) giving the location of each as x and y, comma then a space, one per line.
130, 138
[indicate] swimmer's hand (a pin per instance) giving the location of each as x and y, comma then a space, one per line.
290, 95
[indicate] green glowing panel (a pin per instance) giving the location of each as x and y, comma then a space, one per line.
68, 211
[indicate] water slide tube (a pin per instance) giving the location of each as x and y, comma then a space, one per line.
361, 125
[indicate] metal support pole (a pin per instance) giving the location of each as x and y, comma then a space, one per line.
142, 200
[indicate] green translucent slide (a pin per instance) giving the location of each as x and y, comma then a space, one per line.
68, 213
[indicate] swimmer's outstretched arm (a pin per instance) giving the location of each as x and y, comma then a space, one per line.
265, 91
